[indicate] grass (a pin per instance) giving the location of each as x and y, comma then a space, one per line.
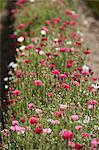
51, 99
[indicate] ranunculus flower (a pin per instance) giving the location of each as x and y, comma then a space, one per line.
63, 107
56, 72
27, 61
71, 144
15, 122
38, 129
87, 52
38, 83
78, 146
76, 83
34, 120
74, 117
63, 50
31, 106
58, 113
85, 135
55, 122
67, 135
63, 76
93, 102
47, 130
95, 143
22, 120
16, 92
79, 127
66, 86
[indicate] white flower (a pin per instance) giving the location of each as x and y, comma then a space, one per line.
85, 67
43, 32
20, 39
57, 48
11, 64
95, 86
86, 120
22, 47
42, 53
5, 79
6, 86
69, 42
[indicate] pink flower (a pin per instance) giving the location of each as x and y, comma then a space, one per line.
63, 76
85, 72
79, 127
67, 135
34, 120
66, 86
38, 83
21, 26
74, 117
5, 132
47, 130
93, 102
39, 129
69, 65
58, 113
31, 106
76, 83
18, 129
15, 122
56, 72
71, 144
16, 92
94, 143
85, 135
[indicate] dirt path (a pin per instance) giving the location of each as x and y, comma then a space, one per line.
90, 28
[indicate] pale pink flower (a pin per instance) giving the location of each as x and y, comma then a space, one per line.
76, 83
38, 83
74, 117
55, 122
47, 130
94, 143
63, 107
38, 111
15, 122
79, 127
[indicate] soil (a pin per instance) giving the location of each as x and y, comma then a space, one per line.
90, 28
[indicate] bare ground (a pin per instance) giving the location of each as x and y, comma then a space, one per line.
90, 28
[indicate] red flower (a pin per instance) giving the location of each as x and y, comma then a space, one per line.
78, 146
87, 52
69, 65
93, 102
27, 61
22, 120
63, 50
38, 129
33, 120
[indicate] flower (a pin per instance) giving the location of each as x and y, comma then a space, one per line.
38, 83
38, 111
79, 127
34, 120
76, 83
16, 92
63, 76
74, 117
39, 129
31, 106
55, 122
94, 143
67, 135
93, 102
78, 146
66, 86
15, 122
27, 61
56, 72
47, 130
63, 50
85, 135
58, 113
20, 39
63, 107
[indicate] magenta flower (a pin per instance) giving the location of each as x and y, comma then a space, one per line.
74, 117
56, 72
31, 106
67, 135
15, 122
